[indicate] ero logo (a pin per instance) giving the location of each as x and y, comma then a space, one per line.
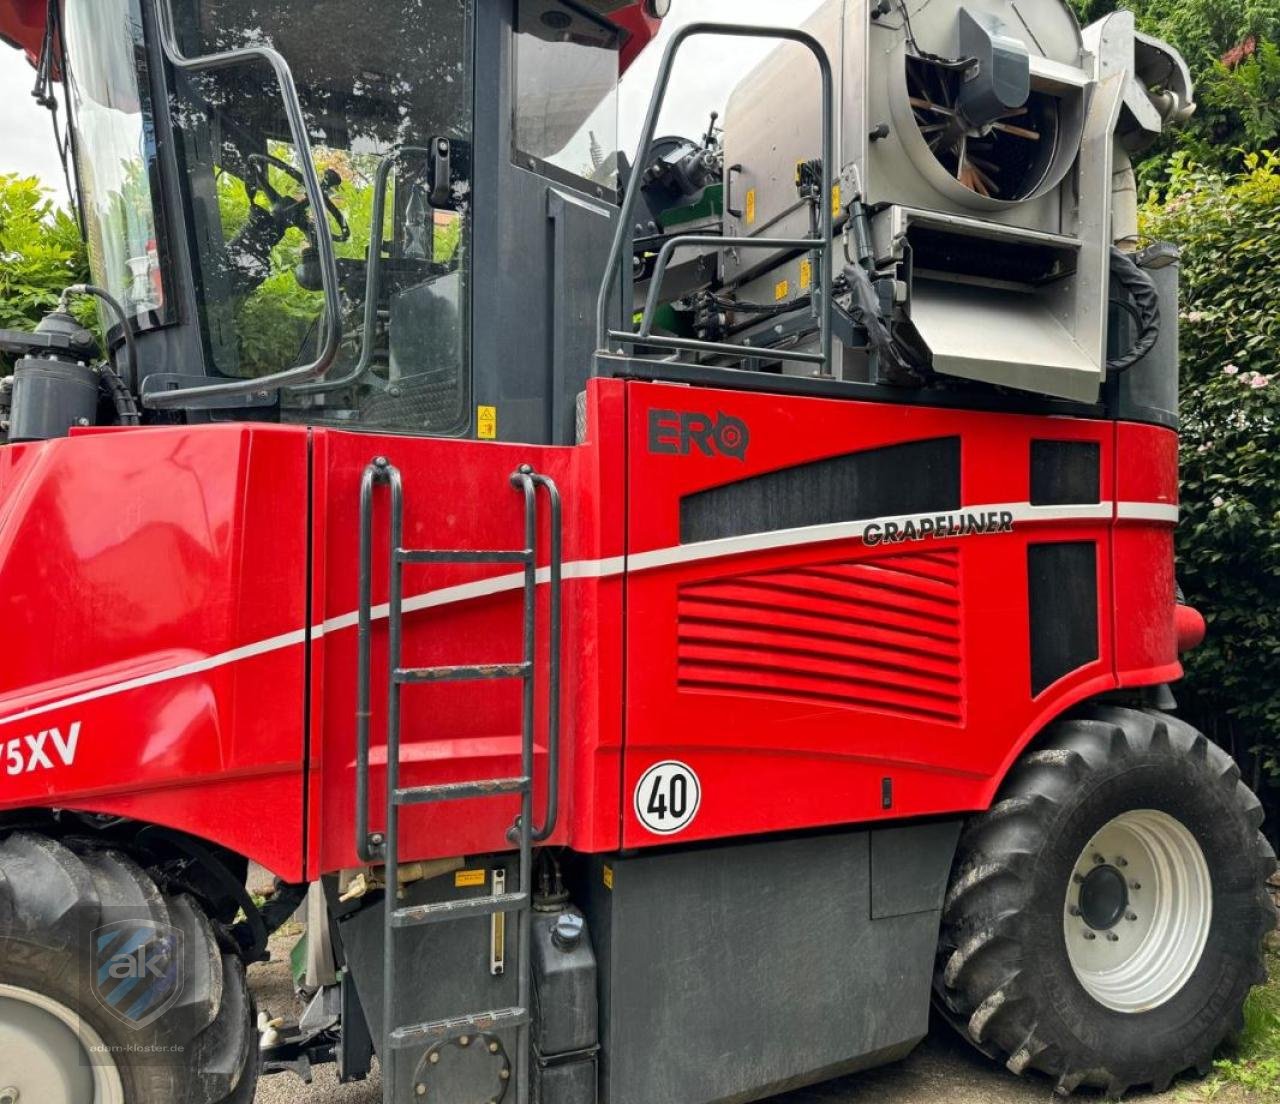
672, 433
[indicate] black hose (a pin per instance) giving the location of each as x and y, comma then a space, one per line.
121, 397
895, 364
1144, 306
111, 301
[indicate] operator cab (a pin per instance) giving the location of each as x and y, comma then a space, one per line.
420, 115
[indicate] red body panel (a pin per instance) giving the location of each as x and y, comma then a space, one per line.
941, 720
22, 24
133, 567
154, 594
458, 495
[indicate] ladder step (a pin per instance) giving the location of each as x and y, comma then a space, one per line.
473, 673
440, 912
460, 791
480, 1023
432, 556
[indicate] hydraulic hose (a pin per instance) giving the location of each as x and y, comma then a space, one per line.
111, 301
1144, 308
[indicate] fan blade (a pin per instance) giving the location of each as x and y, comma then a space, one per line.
1016, 131
928, 105
988, 185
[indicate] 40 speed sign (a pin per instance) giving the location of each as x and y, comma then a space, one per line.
667, 797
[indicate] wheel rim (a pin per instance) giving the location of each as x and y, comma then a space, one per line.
1138, 911
49, 1055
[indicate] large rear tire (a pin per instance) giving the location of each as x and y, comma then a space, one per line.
1105, 918
58, 1043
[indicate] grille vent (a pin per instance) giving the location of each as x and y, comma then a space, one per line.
877, 634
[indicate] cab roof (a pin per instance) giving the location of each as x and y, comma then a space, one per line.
22, 25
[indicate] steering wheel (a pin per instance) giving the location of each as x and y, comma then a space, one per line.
258, 180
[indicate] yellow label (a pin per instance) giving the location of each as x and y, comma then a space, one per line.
487, 423
836, 206
466, 878
782, 290
806, 275
751, 207
608, 877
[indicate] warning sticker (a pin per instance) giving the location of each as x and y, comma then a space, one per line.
667, 797
751, 207
467, 878
781, 290
806, 275
487, 423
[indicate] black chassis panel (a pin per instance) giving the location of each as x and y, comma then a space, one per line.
730, 973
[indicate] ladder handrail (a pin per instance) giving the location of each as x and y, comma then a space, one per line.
384, 847
555, 572
623, 240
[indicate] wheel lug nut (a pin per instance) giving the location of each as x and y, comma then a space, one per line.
1090, 935
1077, 878
493, 1048
1074, 910
1131, 916
1122, 861
1112, 937
1135, 885
1098, 860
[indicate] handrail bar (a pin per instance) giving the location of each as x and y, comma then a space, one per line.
822, 245
332, 328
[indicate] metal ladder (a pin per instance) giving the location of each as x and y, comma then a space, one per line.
383, 846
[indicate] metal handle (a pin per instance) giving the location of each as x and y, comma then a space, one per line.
544, 833
729, 174
189, 397
528, 481
380, 471
373, 277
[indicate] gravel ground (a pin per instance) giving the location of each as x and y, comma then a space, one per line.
942, 1069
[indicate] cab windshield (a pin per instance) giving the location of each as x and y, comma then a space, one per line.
116, 151
384, 87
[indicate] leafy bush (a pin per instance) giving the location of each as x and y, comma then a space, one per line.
40, 254
1229, 540
1232, 48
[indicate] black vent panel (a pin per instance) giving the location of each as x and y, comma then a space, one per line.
920, 477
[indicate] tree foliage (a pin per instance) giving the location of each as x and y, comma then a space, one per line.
40, 253
1233, 50
1229, 539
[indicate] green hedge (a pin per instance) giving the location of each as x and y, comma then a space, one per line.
40, 254
1229, 540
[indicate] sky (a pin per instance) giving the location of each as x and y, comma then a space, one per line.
26, 136
705, 73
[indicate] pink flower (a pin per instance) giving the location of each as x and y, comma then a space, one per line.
1259, 381
1218, 502
1231, 370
